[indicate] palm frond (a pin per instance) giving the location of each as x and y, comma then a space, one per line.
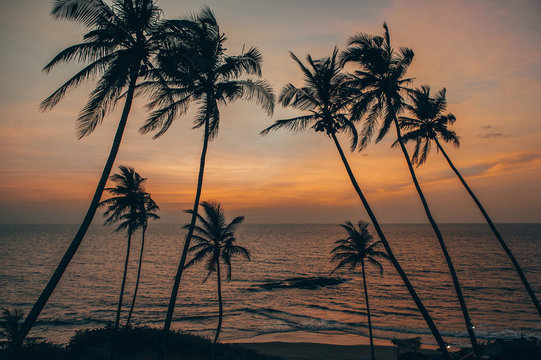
294, 124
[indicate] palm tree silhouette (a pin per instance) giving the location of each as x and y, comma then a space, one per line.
120, 45
215, 243
10, 323
145, 211
356, 249
381, 82
327, 98
124, 207
197, 69
429, 123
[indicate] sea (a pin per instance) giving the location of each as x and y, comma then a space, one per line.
287, 290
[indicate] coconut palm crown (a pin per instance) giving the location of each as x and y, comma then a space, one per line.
119, 48
380, 81
324, 96
428, 122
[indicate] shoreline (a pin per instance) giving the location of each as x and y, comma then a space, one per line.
304, 345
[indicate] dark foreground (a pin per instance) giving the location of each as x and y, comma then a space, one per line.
142, 343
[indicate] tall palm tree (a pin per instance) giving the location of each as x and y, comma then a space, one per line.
326, 98
119, 46
381, 82
215, 240
145, 211
429, 123
124, 208
197, 69
356, 249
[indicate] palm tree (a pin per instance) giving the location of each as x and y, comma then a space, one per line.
215, 240
120, 45
381, 82
428, 122
124, 207
356, 249
10, 323
327, 98
144, 213
197, 69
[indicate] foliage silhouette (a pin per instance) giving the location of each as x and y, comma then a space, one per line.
429, 123
144, 212
356, 249
215, 243
125, 207
10, 323
327, 97
381, 82
120, 46
196, 69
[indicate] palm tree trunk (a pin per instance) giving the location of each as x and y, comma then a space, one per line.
72, 249
373, 357
458, 289
123, 286
494, 230
174, 292
138, 276
428, 319
220, 305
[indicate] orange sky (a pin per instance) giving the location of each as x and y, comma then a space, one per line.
486, 53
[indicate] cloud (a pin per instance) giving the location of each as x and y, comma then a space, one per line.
491, 135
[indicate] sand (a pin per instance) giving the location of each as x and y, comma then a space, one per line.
299, 345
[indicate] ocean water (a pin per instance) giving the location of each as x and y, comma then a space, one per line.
87, 294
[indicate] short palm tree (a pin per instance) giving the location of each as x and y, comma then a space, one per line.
198, 70
429, 123
381, 82
327, 98
123, 208
357, 249
145, 211
119, 47
10, 323
215, 243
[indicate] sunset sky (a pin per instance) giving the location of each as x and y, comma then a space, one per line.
486, 53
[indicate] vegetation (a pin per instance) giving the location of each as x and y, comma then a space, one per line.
129, 49
134, 343
120, 46
327, 96
427, 124
357, 249
10, 323
380, 81
197, 69
130, 206
214, 244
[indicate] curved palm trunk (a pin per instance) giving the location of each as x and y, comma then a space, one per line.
458, 289
495, 231
72, 249
138, 276
373, 357
392, 258
174, 293
220, 304
123, 286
